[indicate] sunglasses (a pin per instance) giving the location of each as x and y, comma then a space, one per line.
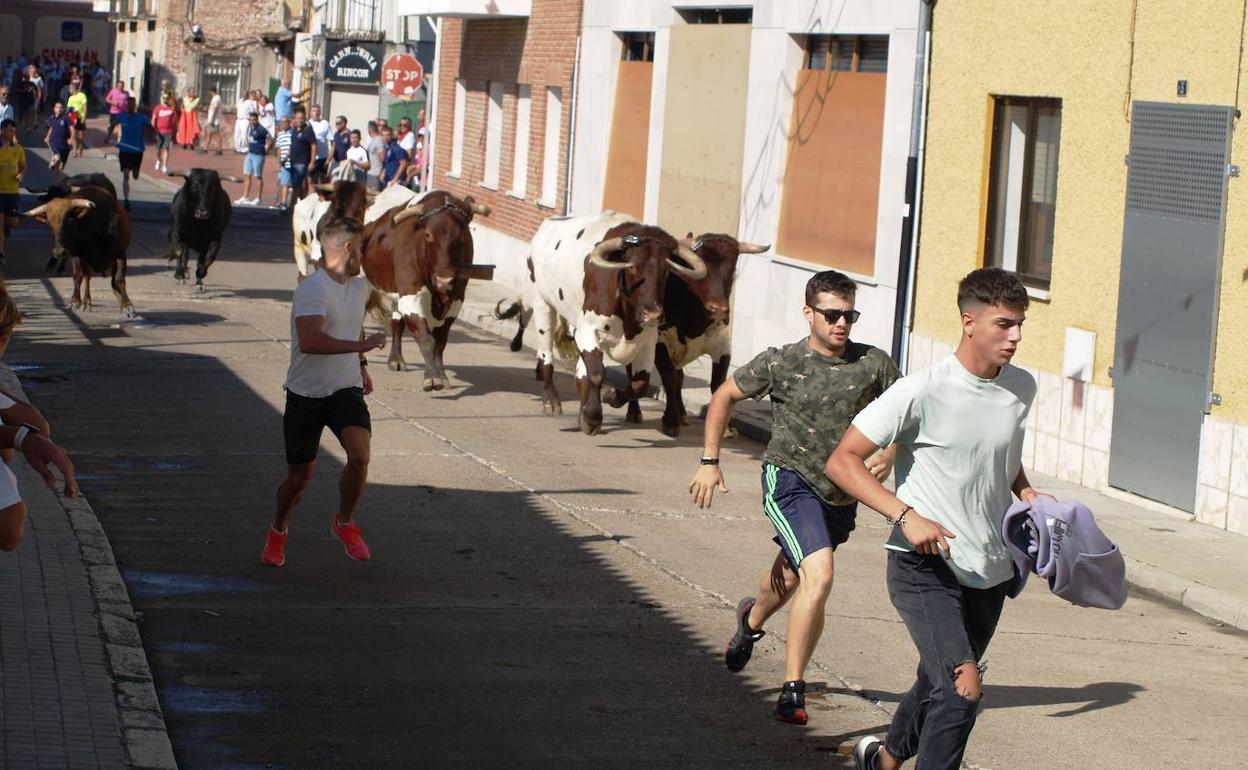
832, 315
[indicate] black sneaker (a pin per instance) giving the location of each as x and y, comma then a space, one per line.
791, 707
741, 645
864, 752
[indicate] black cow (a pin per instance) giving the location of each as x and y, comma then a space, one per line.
65, 187
200, 211
93, 230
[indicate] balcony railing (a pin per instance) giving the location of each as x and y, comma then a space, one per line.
355, 19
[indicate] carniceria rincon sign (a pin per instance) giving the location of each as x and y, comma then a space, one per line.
348, 61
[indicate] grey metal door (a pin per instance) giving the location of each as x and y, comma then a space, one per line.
1167, 297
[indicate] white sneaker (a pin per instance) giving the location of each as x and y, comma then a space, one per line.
253, 202
242, 201
158, 165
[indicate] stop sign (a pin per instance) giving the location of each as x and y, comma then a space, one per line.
402, 74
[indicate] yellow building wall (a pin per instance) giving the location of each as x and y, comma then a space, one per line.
1096, 56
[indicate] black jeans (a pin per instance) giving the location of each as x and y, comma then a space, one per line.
951, 624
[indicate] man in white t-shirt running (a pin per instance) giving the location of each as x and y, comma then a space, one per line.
958, 426
325, 386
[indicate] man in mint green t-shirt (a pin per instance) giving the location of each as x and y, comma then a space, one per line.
958, 427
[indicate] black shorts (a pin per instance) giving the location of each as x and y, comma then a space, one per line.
10, 204
130, 161
306, 418
62, 154
81, 126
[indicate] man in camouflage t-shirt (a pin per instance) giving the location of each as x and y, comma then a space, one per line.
817, 386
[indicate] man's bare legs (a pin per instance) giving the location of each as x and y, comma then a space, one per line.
774, 591
806, 612
12, 524
290, 492
357, 442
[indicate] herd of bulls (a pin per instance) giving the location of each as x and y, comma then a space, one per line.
601, 286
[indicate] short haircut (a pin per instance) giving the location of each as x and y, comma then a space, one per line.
340, 230
832, 282
991, 286
355, 132
343, 118
7, 122
372, 125
298, 111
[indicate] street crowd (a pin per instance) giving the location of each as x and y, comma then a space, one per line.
843, 414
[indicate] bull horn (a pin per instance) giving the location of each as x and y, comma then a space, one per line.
81, 203
407, 213
697, 268
751, 248
232, 178
372, 193
481, 208
176, 173
598, 258
324, 187
36, 211
36, 190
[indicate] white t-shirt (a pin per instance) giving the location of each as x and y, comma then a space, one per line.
214, 108
342, 304
357, 154
322, 130
959, 448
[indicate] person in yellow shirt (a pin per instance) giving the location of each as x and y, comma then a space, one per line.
12, 167
77, 103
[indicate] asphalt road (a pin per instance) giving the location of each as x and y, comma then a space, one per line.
536, 596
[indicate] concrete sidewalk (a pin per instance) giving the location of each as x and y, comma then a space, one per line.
77, 691
1191, 564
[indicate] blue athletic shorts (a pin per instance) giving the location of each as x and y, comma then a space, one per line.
804, 523
283, 176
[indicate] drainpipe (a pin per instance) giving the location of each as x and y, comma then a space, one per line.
567, 176
902, 313
431, 105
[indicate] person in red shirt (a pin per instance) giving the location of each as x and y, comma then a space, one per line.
164, 120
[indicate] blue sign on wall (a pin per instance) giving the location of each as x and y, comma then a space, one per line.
71, 32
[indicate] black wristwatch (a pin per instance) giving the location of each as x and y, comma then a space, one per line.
710, 461
363, 362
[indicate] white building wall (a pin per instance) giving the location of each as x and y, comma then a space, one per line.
769, 295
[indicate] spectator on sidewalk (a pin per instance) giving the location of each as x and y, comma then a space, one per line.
258, 143
268, 115
325, 387
7, 112
213, 122
188, 123
246, 105
41, 91
24, 429
77, 104
117, 99
12, 168
394, 160
283, 101
25, 96
302, 151
321, 128
340, 142
376, 148
164, 121
357, 156
129, 133
57, 138
282, 142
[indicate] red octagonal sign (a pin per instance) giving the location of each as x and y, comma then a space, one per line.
402, 74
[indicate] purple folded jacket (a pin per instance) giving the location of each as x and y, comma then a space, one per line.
1060, 541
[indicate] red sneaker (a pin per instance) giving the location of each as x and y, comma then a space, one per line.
352, 541
274, 548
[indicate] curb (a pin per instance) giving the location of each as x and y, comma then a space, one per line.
142, 723
753, 420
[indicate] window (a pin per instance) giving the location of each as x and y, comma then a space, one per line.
1022, 187
457, 136
638, 46
493, 135
550, 158
847, 53
520, 162
717, 15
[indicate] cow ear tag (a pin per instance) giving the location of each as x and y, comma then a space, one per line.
632, 240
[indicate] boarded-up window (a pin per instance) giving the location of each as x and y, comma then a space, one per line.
832, 178
625, 188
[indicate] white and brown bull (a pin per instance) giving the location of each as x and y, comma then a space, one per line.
697, 321
418, 256
601, 277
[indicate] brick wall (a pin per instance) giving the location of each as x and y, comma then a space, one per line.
230, 28
539, 52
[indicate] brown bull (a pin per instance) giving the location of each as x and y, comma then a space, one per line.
415, 257
94, 230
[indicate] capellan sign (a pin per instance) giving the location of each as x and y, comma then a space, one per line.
351, 62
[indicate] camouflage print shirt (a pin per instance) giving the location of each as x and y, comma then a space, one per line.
814, 399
